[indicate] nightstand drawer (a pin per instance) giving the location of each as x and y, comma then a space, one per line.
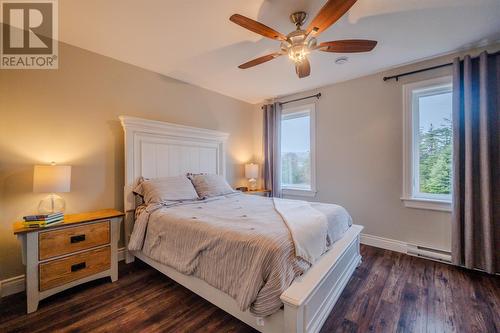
61, 271
68, 240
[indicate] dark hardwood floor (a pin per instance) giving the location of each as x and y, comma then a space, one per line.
389, 292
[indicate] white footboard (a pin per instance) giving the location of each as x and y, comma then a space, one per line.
310, 298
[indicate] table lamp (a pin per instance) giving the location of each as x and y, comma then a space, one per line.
251, 173
51, 179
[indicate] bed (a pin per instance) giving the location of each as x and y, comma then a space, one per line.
157, 149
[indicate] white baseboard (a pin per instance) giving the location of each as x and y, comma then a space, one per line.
121, 254
16, 284
12, 285
384, 243
407, 248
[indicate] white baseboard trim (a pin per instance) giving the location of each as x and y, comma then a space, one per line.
12, 285
16, 284
121, 254
407, 248
384, 243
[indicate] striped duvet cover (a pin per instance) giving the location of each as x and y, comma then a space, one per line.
237, 243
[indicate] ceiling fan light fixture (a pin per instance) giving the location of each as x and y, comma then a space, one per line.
285, 46
297, 53
300, 42
312, 43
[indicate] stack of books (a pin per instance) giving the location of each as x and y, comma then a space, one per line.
43, 220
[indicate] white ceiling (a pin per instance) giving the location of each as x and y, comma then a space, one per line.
194, 41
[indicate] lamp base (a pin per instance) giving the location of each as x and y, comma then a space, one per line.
252, 184
51, 204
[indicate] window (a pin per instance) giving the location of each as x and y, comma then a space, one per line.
428, 144
297, 151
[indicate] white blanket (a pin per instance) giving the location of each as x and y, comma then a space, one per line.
308, 227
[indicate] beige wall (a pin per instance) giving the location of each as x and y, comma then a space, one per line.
70, 116
359, 155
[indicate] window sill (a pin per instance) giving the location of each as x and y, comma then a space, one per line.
429, 204
299, 192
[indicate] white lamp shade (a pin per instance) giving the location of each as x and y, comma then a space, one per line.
251, 171
51, 178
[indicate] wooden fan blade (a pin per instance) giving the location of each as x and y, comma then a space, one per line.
348, 46
329, 14
256, 27
259, 60
303, 68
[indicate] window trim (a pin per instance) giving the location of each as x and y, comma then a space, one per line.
297, 110
410, 124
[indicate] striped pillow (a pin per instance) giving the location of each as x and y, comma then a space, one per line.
166, 189
209, 185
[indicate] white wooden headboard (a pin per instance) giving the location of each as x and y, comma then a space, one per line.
160, 149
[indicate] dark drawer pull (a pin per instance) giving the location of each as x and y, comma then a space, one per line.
77, 238
79, 266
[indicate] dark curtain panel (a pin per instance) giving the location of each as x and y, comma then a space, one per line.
272, 148
476, 163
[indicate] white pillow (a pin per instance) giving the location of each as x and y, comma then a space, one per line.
209, 185
164, 189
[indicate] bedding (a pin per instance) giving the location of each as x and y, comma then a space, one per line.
237, 243
308, 227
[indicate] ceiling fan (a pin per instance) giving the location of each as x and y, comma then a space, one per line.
299, 43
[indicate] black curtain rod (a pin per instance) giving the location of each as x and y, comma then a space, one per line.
415, 72
318, 95
427, 69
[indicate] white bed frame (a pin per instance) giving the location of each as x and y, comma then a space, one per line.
156, 149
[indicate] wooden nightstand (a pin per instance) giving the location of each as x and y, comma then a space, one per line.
263, 193
82, 248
